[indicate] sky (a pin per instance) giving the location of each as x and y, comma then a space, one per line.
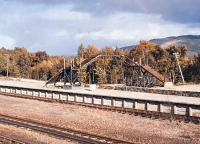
60, 26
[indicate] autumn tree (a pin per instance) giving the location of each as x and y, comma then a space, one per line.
21, 58
80, 55
102, 67
117, 66
81, 50
140, 53
192, 71
38, 57
90, 52
3, 63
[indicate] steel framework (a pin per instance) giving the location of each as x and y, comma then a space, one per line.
140, 76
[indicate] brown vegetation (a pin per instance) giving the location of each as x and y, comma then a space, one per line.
41, 66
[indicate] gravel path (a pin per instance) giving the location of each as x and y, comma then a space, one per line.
112, 124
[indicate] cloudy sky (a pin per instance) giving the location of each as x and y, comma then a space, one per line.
59, 26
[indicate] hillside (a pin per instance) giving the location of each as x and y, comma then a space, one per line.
191, 41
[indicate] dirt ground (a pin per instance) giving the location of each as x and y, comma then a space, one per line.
112, 124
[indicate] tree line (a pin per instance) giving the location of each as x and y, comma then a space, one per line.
39, 65
24, 64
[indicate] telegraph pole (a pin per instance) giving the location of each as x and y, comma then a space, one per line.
7, 64
64, 71
72, 65
176, 56
81, 71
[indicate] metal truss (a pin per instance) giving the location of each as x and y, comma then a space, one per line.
141, 76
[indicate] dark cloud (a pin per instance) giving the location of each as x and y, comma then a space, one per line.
174, 10
186, 11
49, 2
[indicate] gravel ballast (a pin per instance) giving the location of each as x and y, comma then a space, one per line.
111, 124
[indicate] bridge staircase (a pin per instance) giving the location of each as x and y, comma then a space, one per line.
154, 73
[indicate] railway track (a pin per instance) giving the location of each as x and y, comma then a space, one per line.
59, 132
131, 111
8, 140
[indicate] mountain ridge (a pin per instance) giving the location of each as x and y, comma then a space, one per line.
191, 41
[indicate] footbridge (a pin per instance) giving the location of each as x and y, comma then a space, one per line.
142, 75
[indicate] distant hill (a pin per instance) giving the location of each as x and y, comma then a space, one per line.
191, 41
128, 47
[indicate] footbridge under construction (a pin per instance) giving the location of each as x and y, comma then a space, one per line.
141, 75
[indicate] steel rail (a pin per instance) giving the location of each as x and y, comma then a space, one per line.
60, 132
9, 140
